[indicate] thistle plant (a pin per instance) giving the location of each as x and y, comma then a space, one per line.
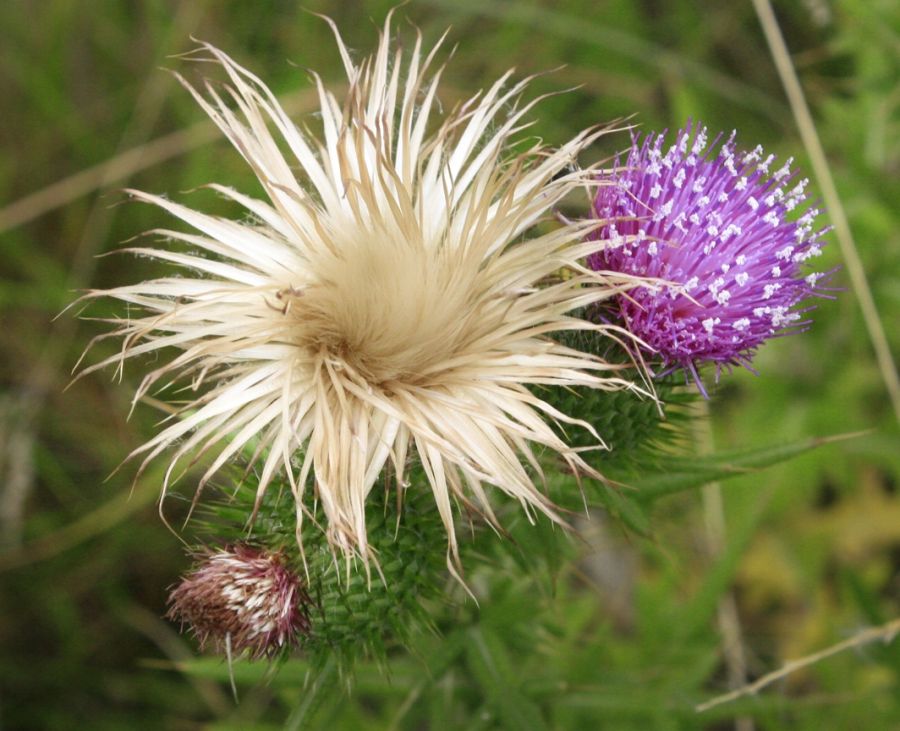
406, 330
384, 316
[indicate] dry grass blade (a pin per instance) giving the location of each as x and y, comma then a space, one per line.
885, 632
813, 145
110, 513
123, 166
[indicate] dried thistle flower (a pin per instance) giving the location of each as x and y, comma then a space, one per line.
721, 228
242, 599
382, 298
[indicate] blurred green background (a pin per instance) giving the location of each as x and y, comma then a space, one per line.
626, 634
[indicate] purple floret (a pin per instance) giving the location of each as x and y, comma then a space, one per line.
728, 237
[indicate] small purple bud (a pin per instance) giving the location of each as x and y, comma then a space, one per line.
244, 596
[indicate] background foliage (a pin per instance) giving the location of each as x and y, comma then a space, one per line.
616, 629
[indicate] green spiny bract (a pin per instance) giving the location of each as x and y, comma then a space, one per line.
633, 427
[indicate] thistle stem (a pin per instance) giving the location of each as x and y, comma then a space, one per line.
714, 521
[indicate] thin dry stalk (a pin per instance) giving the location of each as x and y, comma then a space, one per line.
885, 632
39, 380
822, 171
16, 466
123, 166
728, 618
109, 514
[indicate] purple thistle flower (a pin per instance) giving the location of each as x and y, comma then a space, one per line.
727, 234
243, 597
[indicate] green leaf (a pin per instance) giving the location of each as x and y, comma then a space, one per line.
620, 503
314, 696
438, 664
678, 474
623, 505
489, 663
290, 674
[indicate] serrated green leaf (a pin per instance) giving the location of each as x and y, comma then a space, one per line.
678, 474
